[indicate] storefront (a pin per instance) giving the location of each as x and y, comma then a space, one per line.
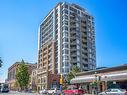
102, 79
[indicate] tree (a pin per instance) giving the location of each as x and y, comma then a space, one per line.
70, 76
1, 62
75, 69
22, 75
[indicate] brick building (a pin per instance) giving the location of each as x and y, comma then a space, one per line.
12, 74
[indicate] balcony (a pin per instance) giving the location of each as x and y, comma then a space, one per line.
74, 61
73, 43
72, 48
84, 34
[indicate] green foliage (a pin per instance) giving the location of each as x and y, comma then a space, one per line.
1, 62
70, 76
22, 75
94, 84
75, 69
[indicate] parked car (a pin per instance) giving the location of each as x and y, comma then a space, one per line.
113, 92
4, 88
73, 91
43, 91
54, 91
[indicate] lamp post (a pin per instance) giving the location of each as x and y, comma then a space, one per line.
97, 80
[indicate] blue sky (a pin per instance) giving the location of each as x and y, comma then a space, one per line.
20, 19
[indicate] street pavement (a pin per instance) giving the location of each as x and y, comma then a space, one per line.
18, 93
21, 93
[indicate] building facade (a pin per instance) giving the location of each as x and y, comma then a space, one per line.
12, 74
33, 80
66, 37
102, 79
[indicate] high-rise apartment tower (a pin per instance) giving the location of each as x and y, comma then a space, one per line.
66, 38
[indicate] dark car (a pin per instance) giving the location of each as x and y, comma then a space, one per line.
4, 88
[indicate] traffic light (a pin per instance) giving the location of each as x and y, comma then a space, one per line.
61, 79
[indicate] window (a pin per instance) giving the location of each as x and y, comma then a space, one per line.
90, 50
65, 11
64, 17
56, 26
65, 45
65, 6
85, 65
78, 58
56, 20
86, 59
65, 34
65, 51
62, 69
77, 25
78, 53
78, 12
89, 34
41, 80
38, 80
44, 80
66, 70
66, 22
65, 28
78, 64
86, 54
72, 9
65, 57
65, 40
66, 63
90, 55
78, 47
56, 10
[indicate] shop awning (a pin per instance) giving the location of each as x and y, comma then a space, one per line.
114, 77
105, 77
83, 79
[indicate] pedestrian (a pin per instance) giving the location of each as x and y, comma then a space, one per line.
126, 92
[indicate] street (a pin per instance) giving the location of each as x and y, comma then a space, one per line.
18, 93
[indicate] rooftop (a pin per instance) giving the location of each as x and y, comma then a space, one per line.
104, 70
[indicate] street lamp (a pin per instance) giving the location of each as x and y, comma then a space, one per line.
97, 80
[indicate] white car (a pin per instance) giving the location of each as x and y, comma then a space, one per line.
54, 91
113, 92
44, 91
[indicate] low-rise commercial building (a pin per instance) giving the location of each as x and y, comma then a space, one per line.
102, 79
